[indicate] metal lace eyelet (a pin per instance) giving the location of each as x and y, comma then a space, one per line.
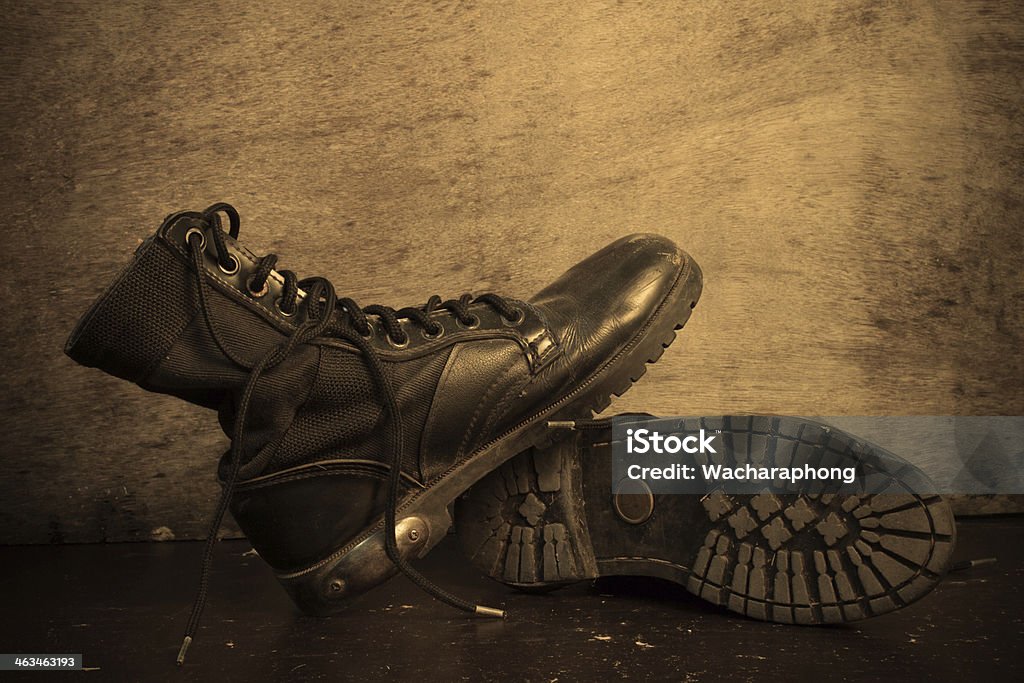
277, 305
474, 322
397, 345
257, 293
235, 265
370, 333
436, 335
196, 231
518, 317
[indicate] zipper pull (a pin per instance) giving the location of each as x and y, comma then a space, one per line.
573, 425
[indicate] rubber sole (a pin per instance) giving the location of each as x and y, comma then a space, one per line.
548, 518
424, 517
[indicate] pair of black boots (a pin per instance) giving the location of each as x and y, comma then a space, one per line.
354, 429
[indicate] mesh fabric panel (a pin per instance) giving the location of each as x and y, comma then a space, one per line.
344, 415
196, 369
341, 410
415, 384
134, 323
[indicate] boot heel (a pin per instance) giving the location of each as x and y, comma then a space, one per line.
528, 529
328, 586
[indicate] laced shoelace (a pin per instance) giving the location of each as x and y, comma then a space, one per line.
354, 326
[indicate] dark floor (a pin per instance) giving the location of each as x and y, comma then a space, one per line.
124, 606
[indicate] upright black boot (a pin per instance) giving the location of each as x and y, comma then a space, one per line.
810, 554
354, 428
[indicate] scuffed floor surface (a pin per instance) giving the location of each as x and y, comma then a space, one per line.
123, 606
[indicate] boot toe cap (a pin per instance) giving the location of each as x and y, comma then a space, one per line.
606, 300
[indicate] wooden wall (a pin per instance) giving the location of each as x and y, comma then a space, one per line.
848, 174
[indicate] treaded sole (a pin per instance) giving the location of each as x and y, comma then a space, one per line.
548, 517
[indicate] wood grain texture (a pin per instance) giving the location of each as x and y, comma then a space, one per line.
848, 174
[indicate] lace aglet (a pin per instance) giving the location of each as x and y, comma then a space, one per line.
184, 648
490, 612
971, 564
562, 424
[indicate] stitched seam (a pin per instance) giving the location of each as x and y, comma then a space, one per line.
551, 349
428, 427
309, 475
460, 453
231, 288
545, 332
302, 404
151, 369
502, 408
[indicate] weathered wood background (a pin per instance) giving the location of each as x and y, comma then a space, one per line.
848, 174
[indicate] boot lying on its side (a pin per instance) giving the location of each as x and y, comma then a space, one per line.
550, 517
354, 428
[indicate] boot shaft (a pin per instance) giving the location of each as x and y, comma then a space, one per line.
148, 328
321, 403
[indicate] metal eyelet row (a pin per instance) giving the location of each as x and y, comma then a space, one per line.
233, 269
397, 345
473, 324
287, 314
520, 316
258, 293
431, 337
227, 270
262, 292
202, 237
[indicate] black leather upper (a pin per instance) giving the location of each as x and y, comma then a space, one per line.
603, 302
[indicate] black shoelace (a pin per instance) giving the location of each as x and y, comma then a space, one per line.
321, 305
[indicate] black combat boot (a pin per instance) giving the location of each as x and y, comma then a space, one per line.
813, 553
353, 428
